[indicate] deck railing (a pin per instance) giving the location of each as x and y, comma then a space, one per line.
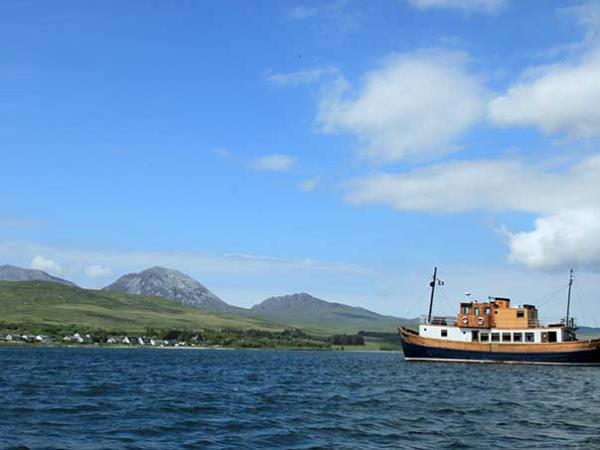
450, 321
446, 321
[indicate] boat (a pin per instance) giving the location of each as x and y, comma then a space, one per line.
494, 331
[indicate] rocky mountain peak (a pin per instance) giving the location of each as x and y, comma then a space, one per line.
171, 284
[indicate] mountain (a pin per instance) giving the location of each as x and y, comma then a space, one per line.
304, 310
14, 273
173, 285
42, 305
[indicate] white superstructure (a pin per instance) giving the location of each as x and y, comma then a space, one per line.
495, 335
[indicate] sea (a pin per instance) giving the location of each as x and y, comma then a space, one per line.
103, 398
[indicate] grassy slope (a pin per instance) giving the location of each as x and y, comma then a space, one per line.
340, 322
53, 304
43, 303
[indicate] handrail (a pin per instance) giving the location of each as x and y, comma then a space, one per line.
450, 321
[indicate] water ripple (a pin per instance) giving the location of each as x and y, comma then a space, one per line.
144, 399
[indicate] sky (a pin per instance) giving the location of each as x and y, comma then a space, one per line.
341, 148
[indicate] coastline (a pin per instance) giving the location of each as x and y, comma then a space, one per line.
353, 349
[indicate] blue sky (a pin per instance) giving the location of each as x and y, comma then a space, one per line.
341, 148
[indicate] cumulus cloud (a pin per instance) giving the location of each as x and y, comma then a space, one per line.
483, 6
566, 199
556, 98
412, 104
276, 162
309, 184
569, 238
46, 264
97, 271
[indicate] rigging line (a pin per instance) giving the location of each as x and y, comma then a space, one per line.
583, 302
546, 298
585, 310
447, 301
580, 292
409, 312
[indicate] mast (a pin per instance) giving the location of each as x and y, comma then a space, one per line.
432, 284
569, 297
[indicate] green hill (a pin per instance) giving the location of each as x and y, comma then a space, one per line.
41, 305
302, 310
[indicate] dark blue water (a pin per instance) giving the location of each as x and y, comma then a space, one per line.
159, 399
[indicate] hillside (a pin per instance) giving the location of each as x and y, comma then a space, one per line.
42, 303
14, 273
305, 311
173, 285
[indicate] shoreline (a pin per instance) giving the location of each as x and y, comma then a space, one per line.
189, 347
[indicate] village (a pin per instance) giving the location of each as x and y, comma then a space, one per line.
217, 338
87, 339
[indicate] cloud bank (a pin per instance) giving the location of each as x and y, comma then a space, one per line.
567, 200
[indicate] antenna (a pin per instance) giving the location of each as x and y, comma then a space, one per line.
432, 284
569, 297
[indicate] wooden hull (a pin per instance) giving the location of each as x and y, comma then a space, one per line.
418, 348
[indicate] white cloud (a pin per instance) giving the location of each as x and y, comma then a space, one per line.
567, 200
97, 271
309, 184
301, 76
556, 98
483, 6
46, 264
413, 104
276, 162
569, 238
499, 185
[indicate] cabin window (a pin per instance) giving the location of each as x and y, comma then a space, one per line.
444, 333
551, 336
517, 337
520, 313
476, 310
488, 310
495, 337
466, 310
485, 337
475, 335
505, 337
529, 337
